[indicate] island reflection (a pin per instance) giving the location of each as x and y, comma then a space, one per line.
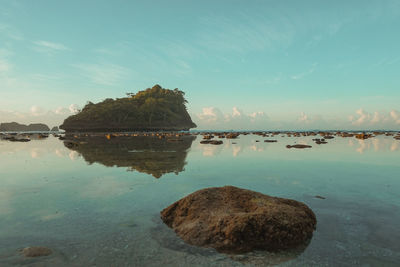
147, 154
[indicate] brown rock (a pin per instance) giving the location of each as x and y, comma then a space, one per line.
216, 142
270, 141
36, 251
235, 220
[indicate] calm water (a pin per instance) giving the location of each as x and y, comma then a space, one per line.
98, 204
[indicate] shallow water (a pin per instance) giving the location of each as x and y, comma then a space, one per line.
98, 204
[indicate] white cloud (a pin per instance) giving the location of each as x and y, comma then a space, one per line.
37, 111
395, 115
61, 110
213, 118
211, 115
45, 46
375, 120
73, 108
303, 118
363, 117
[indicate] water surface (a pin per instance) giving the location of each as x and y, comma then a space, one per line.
98, 204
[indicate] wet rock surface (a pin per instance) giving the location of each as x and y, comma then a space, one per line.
36, 251
234, 220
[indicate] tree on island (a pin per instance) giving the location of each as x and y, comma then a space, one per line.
155, 108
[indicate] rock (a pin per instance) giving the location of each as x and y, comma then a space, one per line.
70, 144
36, 251
363, 136
54, 129
13, 139
232, 136
205, 142
235, 220
320, 197
298, 146
270, 141
320, 141
216, 142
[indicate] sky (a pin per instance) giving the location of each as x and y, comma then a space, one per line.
252, 64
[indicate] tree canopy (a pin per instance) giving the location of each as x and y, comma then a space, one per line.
155, 108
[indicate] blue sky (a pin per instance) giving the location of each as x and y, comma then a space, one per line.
243, 64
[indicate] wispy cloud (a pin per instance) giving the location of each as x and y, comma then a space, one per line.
104, 74
250, 32
305, 73
11, 32
49, 47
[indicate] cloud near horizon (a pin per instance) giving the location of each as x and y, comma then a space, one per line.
37, 114
213, 118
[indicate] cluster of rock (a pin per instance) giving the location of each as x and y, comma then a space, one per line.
22, 137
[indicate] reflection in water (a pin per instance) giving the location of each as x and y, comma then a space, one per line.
167, 238
146, 154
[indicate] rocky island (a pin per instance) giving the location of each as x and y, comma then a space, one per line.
16, 127
153, 109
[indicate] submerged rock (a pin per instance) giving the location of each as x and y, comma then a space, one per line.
36, 251
235, 220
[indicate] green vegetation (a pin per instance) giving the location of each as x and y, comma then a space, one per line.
153, 109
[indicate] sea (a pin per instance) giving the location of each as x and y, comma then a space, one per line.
96, 200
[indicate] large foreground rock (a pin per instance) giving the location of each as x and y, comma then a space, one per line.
235, 220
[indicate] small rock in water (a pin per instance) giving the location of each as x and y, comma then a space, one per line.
298, 146
320, 197
36, 251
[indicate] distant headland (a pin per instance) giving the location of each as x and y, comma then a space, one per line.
16, 127
153, 109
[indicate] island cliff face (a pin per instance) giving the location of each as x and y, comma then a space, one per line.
16, 127
153, 109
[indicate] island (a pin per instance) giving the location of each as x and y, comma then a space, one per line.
153, 109
16, 127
